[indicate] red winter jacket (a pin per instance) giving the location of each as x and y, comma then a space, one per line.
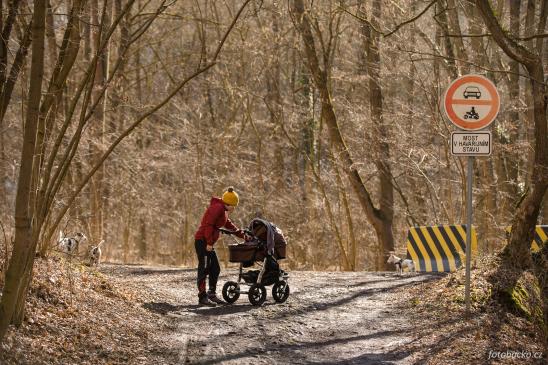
214, 218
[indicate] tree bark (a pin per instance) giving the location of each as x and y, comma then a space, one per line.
353, 249
127, 234
371, 41
308, 131
16, 66
24, 247
444, 25
513, 123
544, 219
458, 42
98, 127
46, 118
7, 27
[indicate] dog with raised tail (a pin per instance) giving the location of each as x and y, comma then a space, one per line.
95, 254
69, 245
401, 263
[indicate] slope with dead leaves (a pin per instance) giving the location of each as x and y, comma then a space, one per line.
449, 336
78, 315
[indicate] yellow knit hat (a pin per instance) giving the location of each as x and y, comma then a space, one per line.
230, 197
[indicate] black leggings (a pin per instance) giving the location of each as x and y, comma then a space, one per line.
208, 265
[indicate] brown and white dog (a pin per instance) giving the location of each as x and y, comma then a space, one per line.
95, 254
401, 263
69, 245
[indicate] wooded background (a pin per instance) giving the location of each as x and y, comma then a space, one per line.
325, 117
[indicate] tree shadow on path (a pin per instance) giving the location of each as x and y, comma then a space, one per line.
368, 358
165, 308
162, 308
338, 302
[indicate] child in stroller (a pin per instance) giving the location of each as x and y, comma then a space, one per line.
265, 246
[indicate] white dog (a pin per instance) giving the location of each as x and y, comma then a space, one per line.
95, 254
401, 263
69, 245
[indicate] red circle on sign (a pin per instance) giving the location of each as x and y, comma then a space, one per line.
490, 101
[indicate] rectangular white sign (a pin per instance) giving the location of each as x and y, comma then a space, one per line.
471, 143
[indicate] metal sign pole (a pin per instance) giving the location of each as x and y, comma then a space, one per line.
468, 230
471, 103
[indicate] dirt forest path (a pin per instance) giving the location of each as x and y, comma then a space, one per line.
329, 318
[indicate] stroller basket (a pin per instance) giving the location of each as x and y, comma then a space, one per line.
263, 234
246, 252
264, 243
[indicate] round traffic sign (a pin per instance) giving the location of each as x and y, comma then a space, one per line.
471, 102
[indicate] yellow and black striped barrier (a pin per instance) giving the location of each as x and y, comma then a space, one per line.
541, 237
439, 248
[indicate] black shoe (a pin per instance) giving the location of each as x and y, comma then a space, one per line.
213, 298
203, 301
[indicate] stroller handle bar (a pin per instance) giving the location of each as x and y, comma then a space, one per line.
229, 232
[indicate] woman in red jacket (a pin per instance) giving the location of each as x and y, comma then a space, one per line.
215, 217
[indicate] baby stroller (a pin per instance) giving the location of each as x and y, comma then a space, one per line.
265, 247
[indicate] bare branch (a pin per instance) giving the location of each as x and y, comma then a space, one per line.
521, 39
433, 56
135, 124
509, 46
388, 34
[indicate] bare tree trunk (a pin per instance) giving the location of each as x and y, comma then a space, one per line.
6, 90
371, 43
517, 255
526, 215
458, 42
544, 219
344, 259
23, 252
306, 148
526, 128
142, 239
353, 249
7, 87
187, 240
274, 101
487, 204
98, 127
413, 180
510, 158
50, 34
6, 28
444, 24
48, 110
127, 235
379, 218
306, 102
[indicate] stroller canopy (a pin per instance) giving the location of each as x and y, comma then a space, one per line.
268, 233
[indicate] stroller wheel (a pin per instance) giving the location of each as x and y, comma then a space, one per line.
257, 294
280, 291
231, 291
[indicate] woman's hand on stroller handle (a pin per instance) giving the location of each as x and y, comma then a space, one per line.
248, 235
226, 231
